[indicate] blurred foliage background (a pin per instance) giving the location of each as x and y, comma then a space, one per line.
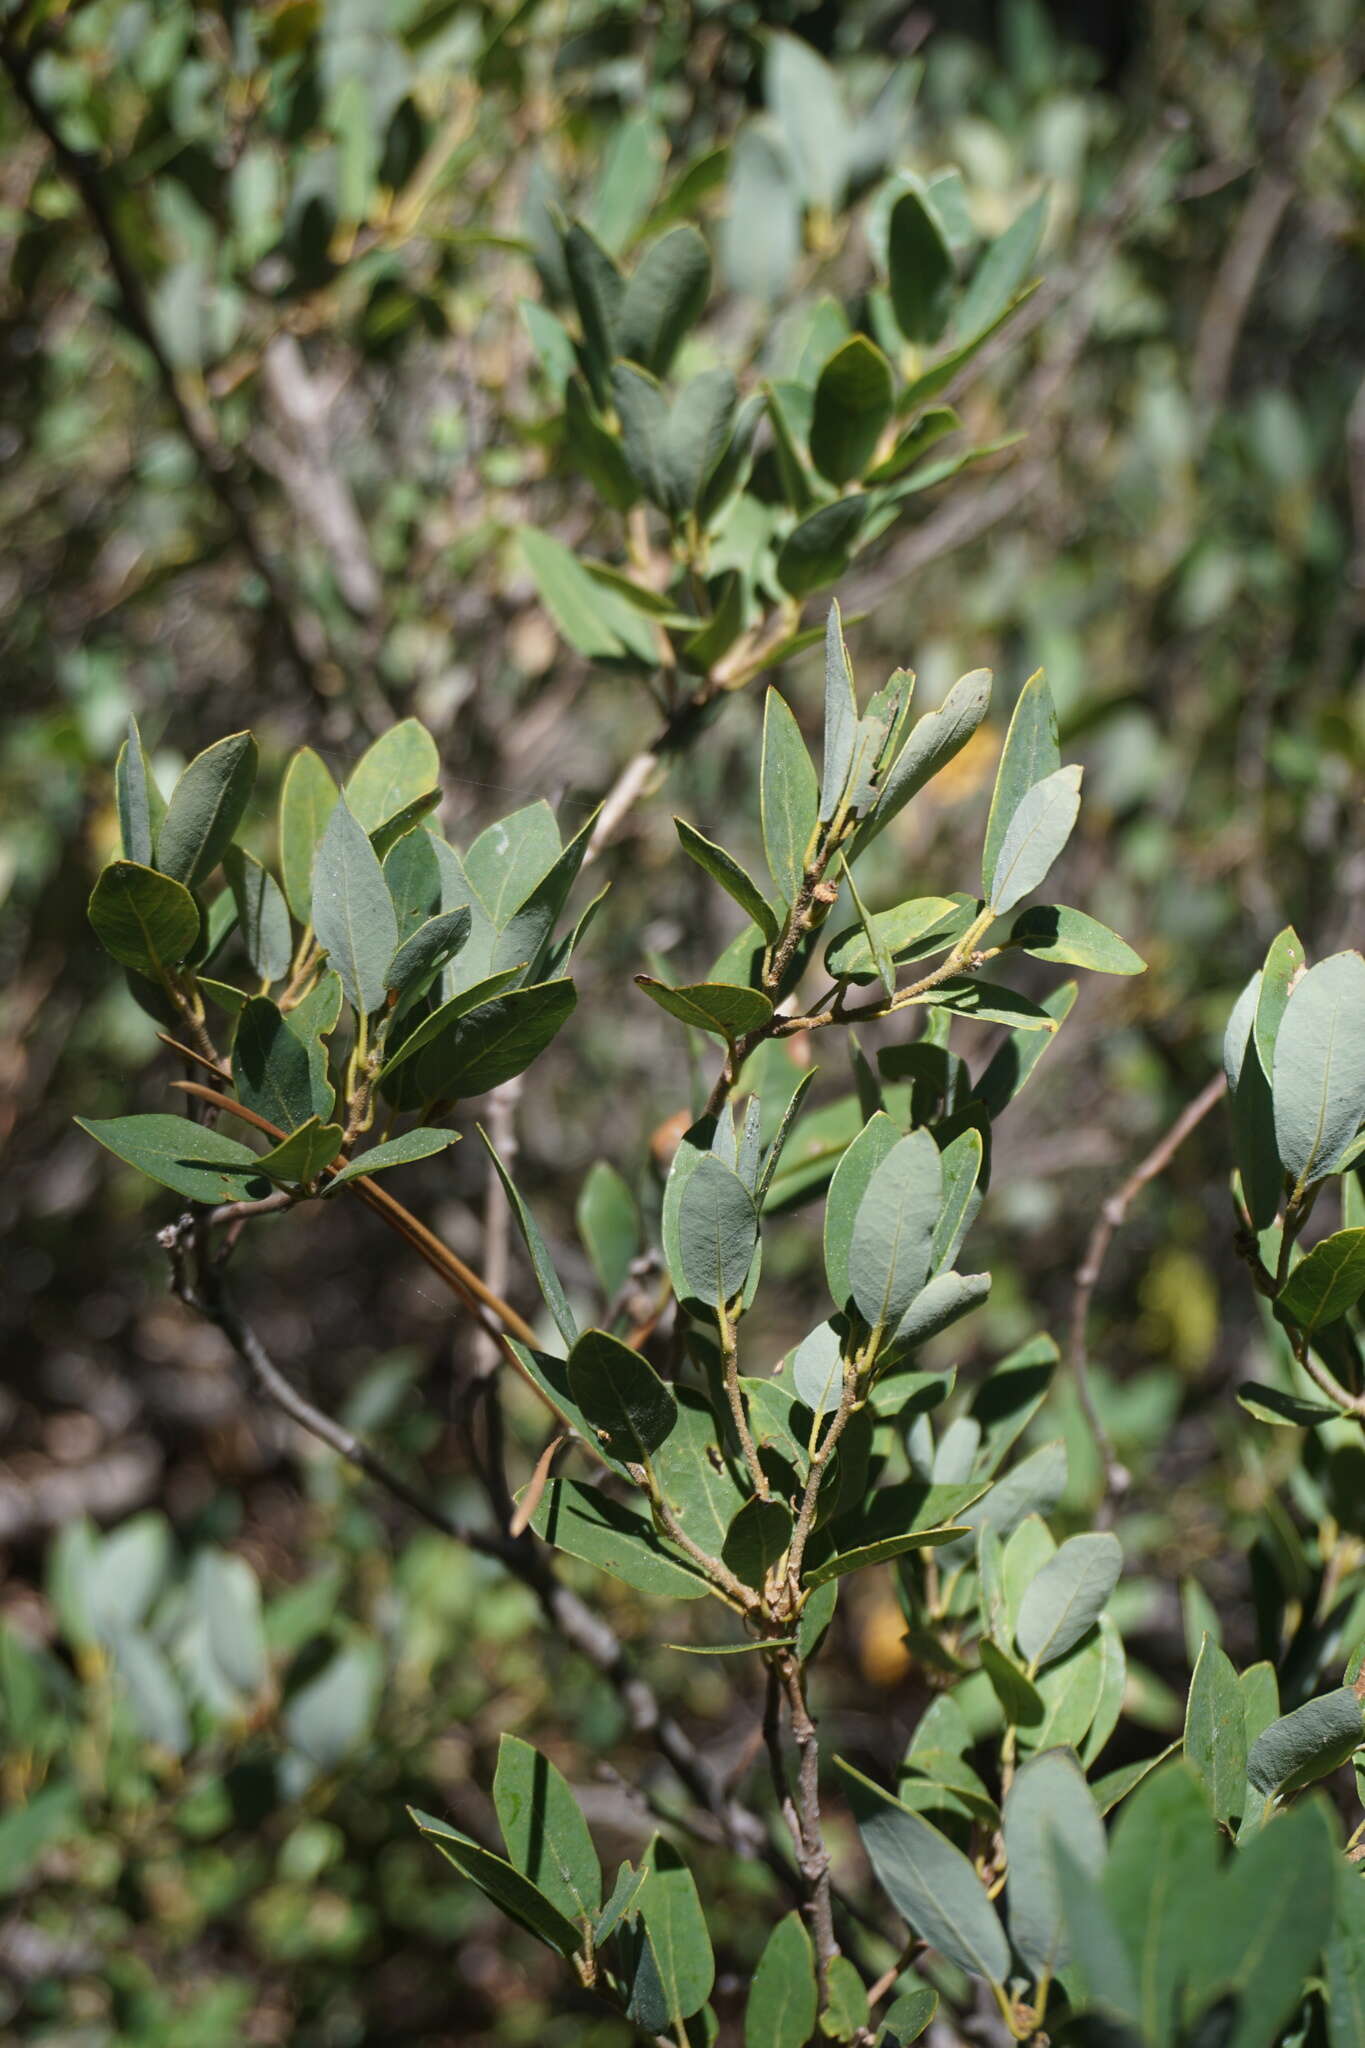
274, 403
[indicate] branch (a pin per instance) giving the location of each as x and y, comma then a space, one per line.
1117, 1478
302, 633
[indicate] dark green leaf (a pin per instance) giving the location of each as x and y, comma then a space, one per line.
850, 954
395, 829
428, 949
139, 802
1215, 1730
401, 1151
724, 1008
940, 1303
1052, 932
665, 296
909, 1516
907, 2017
1253, 1115
817, 550
854, 397
1287, 1411
757, 1538
1283, 963
472, 1049
723, 869
1265, 1928
197, 1162
676, 1967
1327, 1281
628, 1405
1002, 272
1163, 1857
852, 1177
672, 449
790, 798
206, 808
782, 1996
353, 913
146, 920
521, 1900
603, 1533
302, 1155
544, 1831
273, 1070
920, 269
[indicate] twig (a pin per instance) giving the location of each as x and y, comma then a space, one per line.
303, 635
1117, 1478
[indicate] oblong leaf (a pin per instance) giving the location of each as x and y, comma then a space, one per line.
717, 1233
1308, 1743
307, 799
396, 770
145, 919
1035, 836
521, 1900
1318, 1084
353, 914
789, 797
628, 1405
206, 808
544, 1831
893, 1231
197, 1162
401, 1151
854, 399
929, 1881
1068, 1596
725, 1008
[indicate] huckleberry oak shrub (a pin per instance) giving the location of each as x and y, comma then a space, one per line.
337, 1014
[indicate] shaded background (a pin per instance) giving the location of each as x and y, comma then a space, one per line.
299, 519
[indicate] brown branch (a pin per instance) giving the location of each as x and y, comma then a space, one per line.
1117, 1478
303, 636
812, 1856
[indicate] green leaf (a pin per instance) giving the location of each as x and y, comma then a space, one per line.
666, 296
934, 740
694, 1473
940, 1303
521, 1900
920, 269
595, 620
722, 1007
272, 1069
1286, 1411
628, 1405
597, 453
146, 920
262, 914
676, 1967
961, 1162
908, 1516
1305, 1745
1020, 1701
803, 93
1035, 836
817, 1366
928, 430
587, 1524
1100, 1971
401, 1151
526, 934
231, 1596
789, 798
1318, 1084
966, 995
1215, 1730
892, 1241
1030, 754
1163, 1857
717, 1234
850, 955
197, 1162
1002, 272
1052, 932
846, 2008
353, 914
1067, 1597
206, 808
428, 949
1253, 1115
907, 2017
547, 1278
672, 449
302, 1155
307, 799
1048, 1802
816, 551
930, 1882
396, 828
841, 716
156, 1700
723, 869
598, 288
756, 1539
609, 1225
1327, 1281
852, 1177
762, 229
854, 399
1264, 1932
469, 1050
1283, 963
781, 2009
508, 862
544, 1831
1344, 1963
138, 800
401, 766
